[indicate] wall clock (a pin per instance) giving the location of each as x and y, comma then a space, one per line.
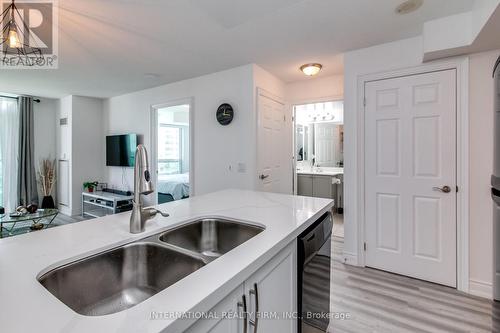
225, 114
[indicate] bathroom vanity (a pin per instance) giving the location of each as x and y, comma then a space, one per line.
65, 278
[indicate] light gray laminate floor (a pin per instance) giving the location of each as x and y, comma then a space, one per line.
378, 301
338, 225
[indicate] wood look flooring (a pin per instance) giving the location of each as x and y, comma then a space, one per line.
377, 301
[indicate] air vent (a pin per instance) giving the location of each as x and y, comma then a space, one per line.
409, 6
63, 121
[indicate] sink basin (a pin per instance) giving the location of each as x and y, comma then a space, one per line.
211, 237
120, 278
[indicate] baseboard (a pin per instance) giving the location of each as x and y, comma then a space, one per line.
64, 210
481, 289
350, 258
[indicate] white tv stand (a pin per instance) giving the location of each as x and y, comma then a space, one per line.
99, 204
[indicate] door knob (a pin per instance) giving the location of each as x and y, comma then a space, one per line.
444, 189
262, 177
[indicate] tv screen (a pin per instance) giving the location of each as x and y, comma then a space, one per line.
120, 150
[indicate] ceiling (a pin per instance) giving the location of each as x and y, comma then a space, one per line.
108, 48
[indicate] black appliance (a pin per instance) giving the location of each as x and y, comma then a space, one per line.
495, 184
120, 150
313, 276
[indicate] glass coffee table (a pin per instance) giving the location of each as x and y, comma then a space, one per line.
36, 221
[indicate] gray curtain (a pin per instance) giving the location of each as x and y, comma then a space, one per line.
27, 187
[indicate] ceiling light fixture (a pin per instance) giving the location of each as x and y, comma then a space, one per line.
311, 69
12, 24
409, 6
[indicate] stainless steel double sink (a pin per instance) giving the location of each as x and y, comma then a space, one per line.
124, 276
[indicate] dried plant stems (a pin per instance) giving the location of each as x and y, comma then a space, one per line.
47, 175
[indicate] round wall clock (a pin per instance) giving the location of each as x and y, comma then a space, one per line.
225, 114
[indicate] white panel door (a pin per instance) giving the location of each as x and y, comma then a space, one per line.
325, 139
272, 149
410, 156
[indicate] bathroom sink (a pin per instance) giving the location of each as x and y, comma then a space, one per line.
211, 237
119, 278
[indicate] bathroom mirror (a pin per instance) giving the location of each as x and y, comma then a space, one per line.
319, 134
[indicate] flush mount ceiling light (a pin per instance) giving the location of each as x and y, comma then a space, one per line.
15, 35
409, 6
311, 69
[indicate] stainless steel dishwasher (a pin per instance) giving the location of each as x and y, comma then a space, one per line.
313, 276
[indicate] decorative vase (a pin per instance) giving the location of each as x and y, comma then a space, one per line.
91, 189
48, 202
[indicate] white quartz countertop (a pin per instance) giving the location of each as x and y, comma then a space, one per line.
321, 171
26, 306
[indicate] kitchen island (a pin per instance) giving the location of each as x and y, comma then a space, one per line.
27, 306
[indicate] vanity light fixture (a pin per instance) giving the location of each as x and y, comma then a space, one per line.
311, 69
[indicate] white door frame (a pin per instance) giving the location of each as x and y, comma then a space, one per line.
461, 65
335, 98
154, 141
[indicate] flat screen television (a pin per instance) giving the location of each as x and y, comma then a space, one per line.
120, 150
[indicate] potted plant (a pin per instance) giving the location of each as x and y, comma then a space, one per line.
89, 186
47, 179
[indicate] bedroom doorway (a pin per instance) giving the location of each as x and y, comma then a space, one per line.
172, 155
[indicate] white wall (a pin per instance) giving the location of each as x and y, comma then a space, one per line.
87, 155
404, 54
45, 119
217, 149
481, 97
315, 89
82, 145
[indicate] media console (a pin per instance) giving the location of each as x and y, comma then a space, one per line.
101, 203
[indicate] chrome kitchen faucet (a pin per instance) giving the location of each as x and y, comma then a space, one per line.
142, 186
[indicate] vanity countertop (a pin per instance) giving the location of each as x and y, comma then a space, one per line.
26, 306
321, 171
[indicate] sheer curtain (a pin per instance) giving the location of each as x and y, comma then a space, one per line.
9, 151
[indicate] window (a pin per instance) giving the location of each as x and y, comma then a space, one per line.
9, 145
169, 149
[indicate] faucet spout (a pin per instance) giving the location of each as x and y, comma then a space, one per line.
142, 186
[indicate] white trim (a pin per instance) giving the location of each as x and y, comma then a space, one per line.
350, 258
481, 288
303, 101
461, 65
154, 141
270, 95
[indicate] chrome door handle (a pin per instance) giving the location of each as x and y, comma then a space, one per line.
243, 305
255, 322
262, 177
444, 189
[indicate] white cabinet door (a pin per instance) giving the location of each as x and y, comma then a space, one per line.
410, 176
225, 317
63, 183
272, 294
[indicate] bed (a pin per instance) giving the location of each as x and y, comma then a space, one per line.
173, 187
